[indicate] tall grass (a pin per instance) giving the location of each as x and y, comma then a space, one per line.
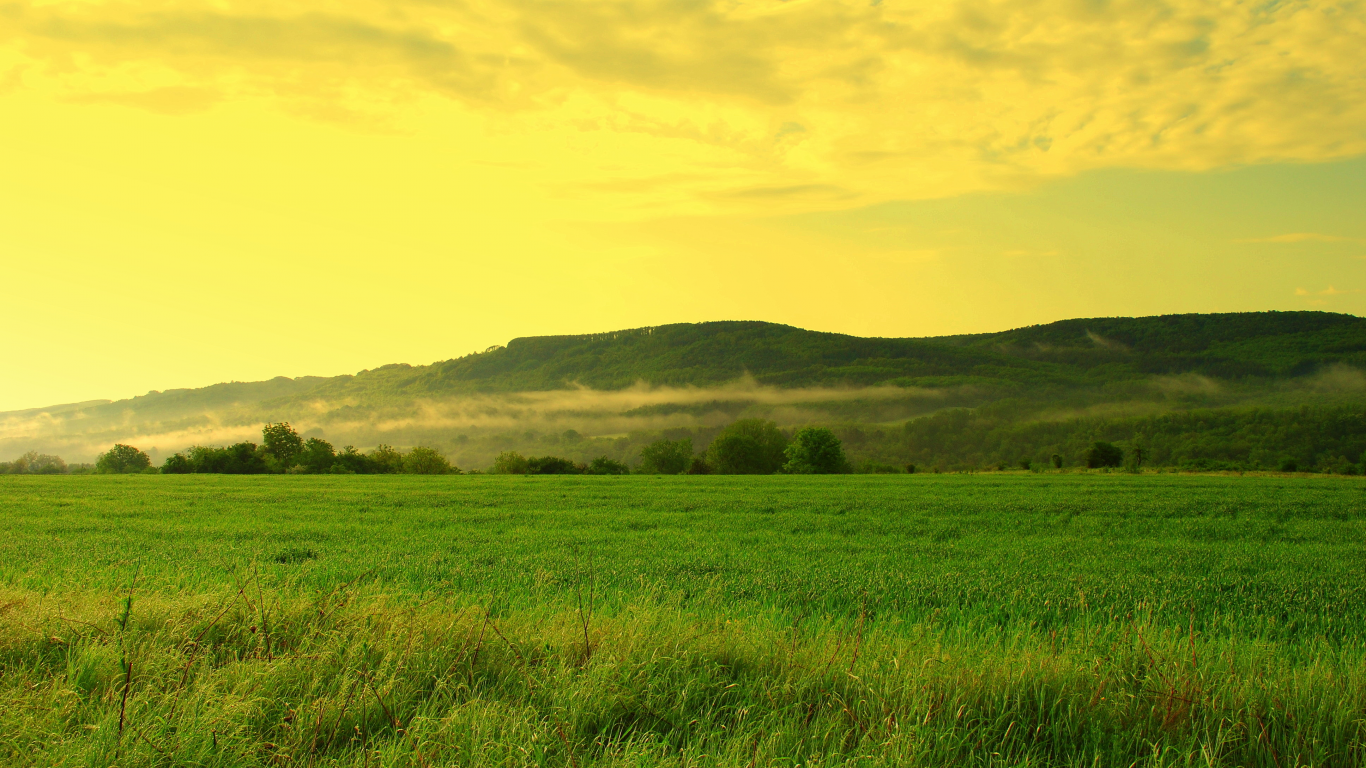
288, 623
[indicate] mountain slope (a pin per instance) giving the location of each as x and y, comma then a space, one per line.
587, 383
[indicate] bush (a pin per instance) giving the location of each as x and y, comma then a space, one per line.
1057, 461
239, 459
815, 451
877, 468
427, 461
510, 463
666, 457
605, 466
699, 466
121, 460
1290, 465
552, 465
1104, 455
748, 447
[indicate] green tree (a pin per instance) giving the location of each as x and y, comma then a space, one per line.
427, 461
176, 464
386, 459
317, 456
41, 464
666, 457
121, 460
510, 463
748, 447
1104, 455
282, 444
815, 451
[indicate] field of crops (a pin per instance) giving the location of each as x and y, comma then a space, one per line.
991, 619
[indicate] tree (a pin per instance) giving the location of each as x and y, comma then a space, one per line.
1104, 455
748, 447
605, 466
353, 462
121, 460
282, 444
386, 460
510, 463
815, 451
176, 464
316, 457
699, 466
40, 464
666, 457
427, 461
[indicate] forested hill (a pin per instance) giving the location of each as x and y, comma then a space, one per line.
1090, 351
477, 405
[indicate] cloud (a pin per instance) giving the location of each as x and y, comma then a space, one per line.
784, 105
1299, 237
172, 100
1329, 291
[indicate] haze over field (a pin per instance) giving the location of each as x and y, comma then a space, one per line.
196, 191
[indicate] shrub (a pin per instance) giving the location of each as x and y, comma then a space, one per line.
666, 457
876, 468
121, 460
552, 465
510, 463
748, 447
1104, 455
699, 466
427, 461
910, 469
1290, 465
1057, 461
605, 466
815, 451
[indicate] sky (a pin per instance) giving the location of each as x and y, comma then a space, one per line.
195, 192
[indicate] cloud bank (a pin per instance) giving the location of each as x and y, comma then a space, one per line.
762, 105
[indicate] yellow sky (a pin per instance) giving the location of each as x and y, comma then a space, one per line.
193, 192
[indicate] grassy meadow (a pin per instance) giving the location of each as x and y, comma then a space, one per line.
991, 619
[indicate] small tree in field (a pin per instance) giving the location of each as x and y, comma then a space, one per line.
666, 457
815, 451
121, 460
282, 444
386, 459
427, 461
510, 463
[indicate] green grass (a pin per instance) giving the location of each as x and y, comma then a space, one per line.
574, 621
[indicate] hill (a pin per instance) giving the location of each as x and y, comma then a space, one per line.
699, 376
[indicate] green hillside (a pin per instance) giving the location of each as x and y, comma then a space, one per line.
697, 377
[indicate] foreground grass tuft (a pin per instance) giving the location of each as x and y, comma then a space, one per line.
352, 677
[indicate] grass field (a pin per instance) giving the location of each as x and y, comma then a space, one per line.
1031, 619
